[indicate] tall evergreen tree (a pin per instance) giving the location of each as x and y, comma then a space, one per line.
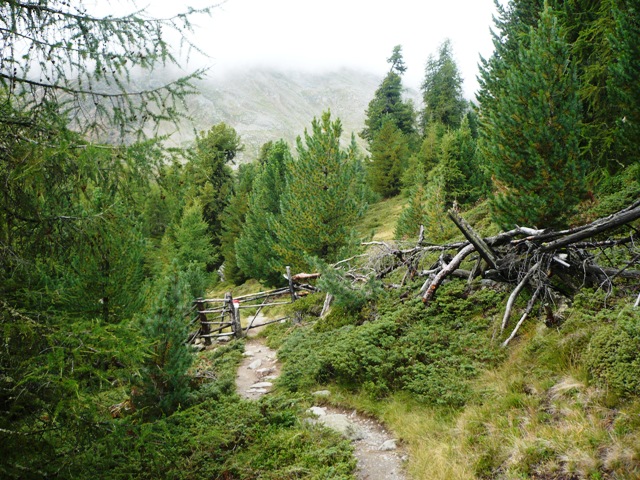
233, 222
210, 174
442, 90
387, 102
623, 85
255, 248
531, 130
389, 156
192, 251
322, 200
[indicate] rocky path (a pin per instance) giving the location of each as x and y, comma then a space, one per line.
378, 455
258, 369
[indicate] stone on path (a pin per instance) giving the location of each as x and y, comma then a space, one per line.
255, 364
318, 411
262, 385
388, 445
341, 424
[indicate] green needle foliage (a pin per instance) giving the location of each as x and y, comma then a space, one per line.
323, 198
531, 132
387, 102
164, 384
255, 248
442, 90
623, 84
210, 176
389, 158
57, 53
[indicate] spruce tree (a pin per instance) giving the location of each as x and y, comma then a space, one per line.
531, 132
322, 200
387, 102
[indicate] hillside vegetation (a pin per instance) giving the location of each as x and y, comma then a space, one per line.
105, 246
560, 402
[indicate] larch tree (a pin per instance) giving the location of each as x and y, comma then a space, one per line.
531, 131
58, 56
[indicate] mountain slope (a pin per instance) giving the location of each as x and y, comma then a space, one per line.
263, 104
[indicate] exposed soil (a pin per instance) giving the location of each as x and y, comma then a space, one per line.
375, 450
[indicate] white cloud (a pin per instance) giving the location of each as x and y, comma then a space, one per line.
336, 33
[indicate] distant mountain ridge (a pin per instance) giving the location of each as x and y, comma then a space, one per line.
264, 104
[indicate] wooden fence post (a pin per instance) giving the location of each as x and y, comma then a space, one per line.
205, 328
296, 316
291, 289
236, 325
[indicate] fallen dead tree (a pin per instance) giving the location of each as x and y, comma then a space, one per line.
553, 265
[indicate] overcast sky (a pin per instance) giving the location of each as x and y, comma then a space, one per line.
329, 34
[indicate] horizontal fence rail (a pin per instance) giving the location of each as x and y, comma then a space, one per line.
219, 318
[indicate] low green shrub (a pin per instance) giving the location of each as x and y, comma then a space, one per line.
431, 353
613, 354
219, 436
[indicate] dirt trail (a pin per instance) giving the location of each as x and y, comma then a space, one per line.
378, 456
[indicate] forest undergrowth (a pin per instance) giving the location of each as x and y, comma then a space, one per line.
561, 402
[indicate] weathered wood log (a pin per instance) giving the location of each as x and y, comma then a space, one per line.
450, 267
236, 326
327, 303
613, 272
525, 314
305, 276
599, 226
515, 293
205, 329
469, 233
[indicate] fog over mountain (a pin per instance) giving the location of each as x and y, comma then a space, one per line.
267, 104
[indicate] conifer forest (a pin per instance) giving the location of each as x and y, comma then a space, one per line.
466, 272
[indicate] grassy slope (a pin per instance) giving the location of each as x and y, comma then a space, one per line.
538, 414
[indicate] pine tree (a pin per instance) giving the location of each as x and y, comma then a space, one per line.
458, 167
255, 251
192, 249
442, 90
414, 214
164, 383
623, 84
233, 222
389, 156
531, 132
322, 200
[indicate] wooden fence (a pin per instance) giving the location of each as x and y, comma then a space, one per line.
221, 317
